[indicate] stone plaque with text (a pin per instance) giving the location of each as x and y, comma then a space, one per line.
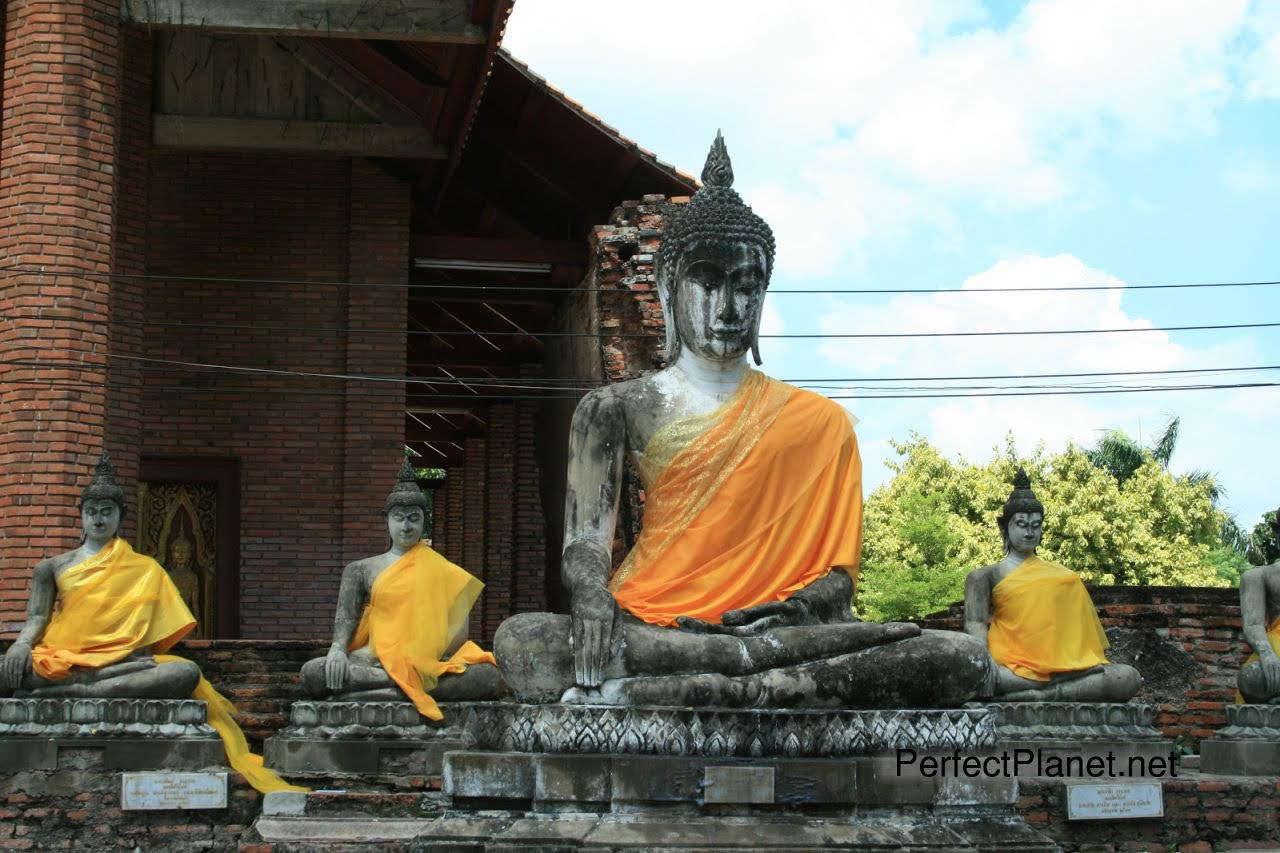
738, 785
161, 791
1114, 800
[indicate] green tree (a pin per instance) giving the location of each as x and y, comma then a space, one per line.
936, 520
1263, 546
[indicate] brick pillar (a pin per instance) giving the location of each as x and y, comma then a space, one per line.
451, 517
530, 560
500, 474
439, 512
474, 526
128, 290
58, 147
374, 411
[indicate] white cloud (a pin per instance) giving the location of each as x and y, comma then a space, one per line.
1247, 172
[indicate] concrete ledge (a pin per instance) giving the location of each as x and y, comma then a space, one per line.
1228, 757
118, 753
406, 757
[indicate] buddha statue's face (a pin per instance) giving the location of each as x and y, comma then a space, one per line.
1024, 532
101, 520
719, 293
406, 524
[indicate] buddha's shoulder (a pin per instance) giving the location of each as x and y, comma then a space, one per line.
816, 405
618, 398
58, 562
1269, 575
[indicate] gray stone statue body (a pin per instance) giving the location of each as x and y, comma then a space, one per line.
358, 674
137, 674
801, 650
1021, 526
1259, 680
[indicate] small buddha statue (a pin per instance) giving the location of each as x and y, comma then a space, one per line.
97, 615
1259, 679
400, 630
183, 574
1037, 620
738, 591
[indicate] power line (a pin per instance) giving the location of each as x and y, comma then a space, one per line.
508, 288
354, 330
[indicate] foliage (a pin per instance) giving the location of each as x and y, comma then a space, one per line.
1263, 545
936, 520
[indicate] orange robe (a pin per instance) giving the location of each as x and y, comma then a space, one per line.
745, 505
116, 603
1043, 622
417, 605
1273, 637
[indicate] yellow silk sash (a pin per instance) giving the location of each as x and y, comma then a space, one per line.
1043, 622
416, 607
118, 602
757, 501
110, 605
1273, 637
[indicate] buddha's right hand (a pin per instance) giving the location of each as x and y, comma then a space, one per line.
15, 665
594, 614
335, 670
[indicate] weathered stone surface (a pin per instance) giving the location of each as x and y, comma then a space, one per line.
1249, 745
380, 720
1071, 721
397, 756
113, 753
722, 732
102, 718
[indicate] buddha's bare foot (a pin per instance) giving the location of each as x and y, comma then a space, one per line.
577, 695
381, 694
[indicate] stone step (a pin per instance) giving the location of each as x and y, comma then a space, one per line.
499, 833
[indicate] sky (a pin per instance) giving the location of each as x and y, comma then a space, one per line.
959, 146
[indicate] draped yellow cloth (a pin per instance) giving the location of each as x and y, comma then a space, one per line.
416, 607
118, 602
1273, 637
110, 605
1043, 622
745, 505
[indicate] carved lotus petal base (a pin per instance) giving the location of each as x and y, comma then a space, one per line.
1073, 721
724, 732
97, 718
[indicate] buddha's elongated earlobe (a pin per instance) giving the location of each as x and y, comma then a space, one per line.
755, 339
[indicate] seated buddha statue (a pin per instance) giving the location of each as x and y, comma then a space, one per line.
1037, 620
98, 615
738, 591
1259, 679
400, 630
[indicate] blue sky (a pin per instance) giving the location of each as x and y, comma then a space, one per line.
960, 145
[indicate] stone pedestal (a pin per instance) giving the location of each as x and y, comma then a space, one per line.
133, 734
1249, 745
1077, 735
614, 730
381, 738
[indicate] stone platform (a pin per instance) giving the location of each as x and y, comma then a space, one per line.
1249, 745
1121, 735
592, 729
380, 738
134, 734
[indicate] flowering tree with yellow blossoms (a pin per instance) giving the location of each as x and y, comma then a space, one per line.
935, 521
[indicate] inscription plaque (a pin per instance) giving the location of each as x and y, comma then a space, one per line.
738, 785
1114, 800
162, 791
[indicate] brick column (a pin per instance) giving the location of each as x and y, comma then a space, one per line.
58, 148
374, 411
475, 529
500, 475
450, 516
530, 568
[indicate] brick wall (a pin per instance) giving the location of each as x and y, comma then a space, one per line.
58, 175
1185, 641
317, 457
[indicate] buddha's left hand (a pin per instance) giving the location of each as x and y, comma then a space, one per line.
755, 620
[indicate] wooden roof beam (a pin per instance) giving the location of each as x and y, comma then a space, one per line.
445, 21
339, 139
499, 249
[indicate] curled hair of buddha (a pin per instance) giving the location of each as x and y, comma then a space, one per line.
1021, 499
716, 215
406, 492
104, 486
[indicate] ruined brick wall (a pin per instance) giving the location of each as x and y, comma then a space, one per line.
1200, 816
1185, 641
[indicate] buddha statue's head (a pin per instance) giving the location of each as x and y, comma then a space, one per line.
180, 554
406, 509
102, 504
1022, 519
713, 268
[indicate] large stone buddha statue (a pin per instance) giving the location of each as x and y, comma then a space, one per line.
738, 591
1038, 621
99, 614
